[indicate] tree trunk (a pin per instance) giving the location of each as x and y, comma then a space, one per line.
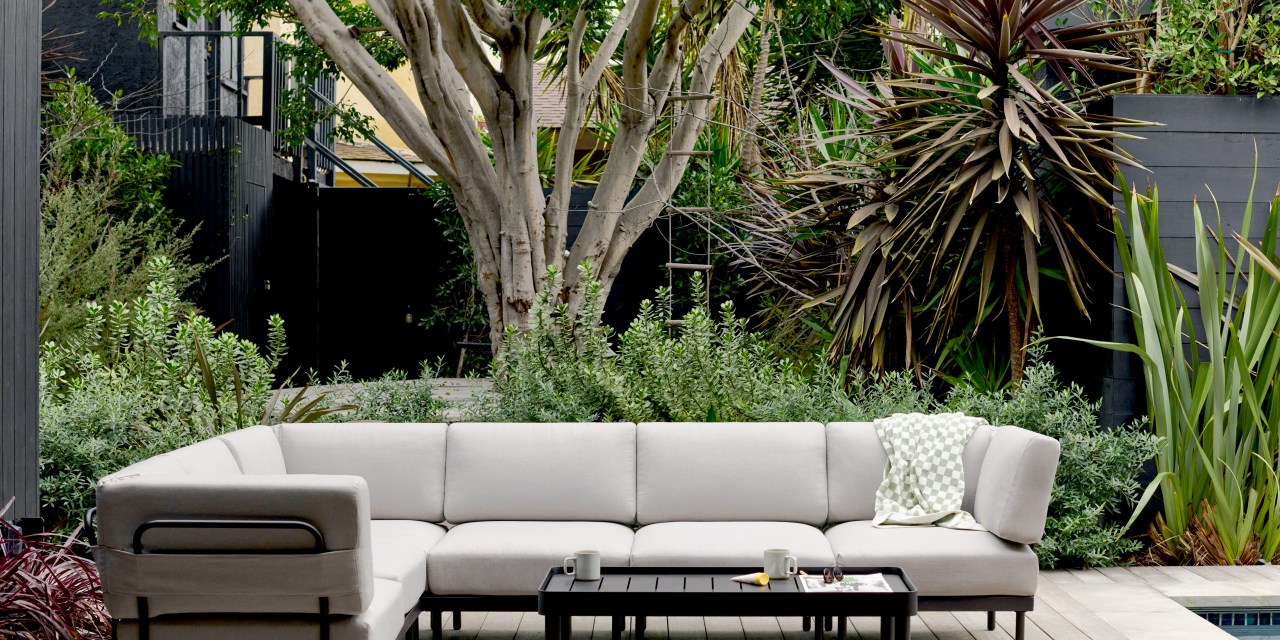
751, 158
1013, 305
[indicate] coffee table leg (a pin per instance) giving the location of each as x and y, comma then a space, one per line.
551, 625
886, 628
902, 628
817, 628
638, 633
804, 625
618, 623
842, 626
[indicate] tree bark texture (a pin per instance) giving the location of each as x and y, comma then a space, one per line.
515, 232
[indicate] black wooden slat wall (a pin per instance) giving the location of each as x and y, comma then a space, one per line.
19, 247
223, 181
1205, 150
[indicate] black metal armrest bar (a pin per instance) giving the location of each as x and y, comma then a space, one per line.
294, 525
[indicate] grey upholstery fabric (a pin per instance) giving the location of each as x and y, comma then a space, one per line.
1017, 479
208, 458
201, 582
403, 463
726, 544
855, 468
400, 550
941, 562
256, 450
512, 558
519, 471
381, 621
161, 465
705, 472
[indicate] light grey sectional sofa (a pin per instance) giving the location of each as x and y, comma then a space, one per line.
359, 527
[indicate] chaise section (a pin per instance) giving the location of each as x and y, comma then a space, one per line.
256, 570
726, 544
381, 620
512, 558
941, 562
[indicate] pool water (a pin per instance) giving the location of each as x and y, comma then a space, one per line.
1245, 623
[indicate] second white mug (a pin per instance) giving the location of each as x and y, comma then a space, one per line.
779, 564
583, 565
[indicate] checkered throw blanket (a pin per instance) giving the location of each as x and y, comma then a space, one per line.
924, 477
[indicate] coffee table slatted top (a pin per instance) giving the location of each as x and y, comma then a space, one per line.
637, 581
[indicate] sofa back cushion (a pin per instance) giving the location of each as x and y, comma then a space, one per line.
207, 458
855, 468
256, 450
518, 471
403, 463
731, 472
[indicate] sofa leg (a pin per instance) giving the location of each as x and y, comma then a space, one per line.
457, 621
437, 625
804, 624
991, 621
1019, 626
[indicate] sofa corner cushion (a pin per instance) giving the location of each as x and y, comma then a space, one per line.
513, 557
710, 472
526, 471
402, 462
381, 620
400, 549
1016, 484
940, 561
206, 458
855, 468
727, 544
256, 450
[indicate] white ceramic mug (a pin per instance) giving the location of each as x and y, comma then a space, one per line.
780, 564
583, 565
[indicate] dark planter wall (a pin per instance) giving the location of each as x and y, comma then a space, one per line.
1205, 150
19, 248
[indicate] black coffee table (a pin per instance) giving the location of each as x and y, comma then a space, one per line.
687, 591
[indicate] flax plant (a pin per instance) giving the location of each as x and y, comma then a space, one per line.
1214, 399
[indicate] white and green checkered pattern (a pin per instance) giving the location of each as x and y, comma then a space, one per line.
924, 476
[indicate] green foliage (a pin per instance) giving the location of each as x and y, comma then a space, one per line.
101, 210
1214, 404
566, 368
1097, 471
1201, 46
393, 398
139, 379
1217, 46
944, 218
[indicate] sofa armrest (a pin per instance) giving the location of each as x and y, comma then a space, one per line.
1015, 485
264, 564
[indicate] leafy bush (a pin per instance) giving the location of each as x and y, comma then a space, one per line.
102, 214
139, 379
1097, 472
567, 369
392, 398
50, 589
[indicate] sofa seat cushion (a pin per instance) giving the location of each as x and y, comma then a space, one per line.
941, 562
382, 620
512, 557
727, 544
400, 553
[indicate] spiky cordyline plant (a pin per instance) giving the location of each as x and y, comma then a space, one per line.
984, 108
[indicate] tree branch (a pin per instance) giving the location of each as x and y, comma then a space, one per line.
670, 62
404, 117
493, 19
652, 198
387, 16
463, 47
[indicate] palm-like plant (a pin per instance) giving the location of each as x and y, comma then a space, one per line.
982, 117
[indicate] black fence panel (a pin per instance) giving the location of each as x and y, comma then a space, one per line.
19, 251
